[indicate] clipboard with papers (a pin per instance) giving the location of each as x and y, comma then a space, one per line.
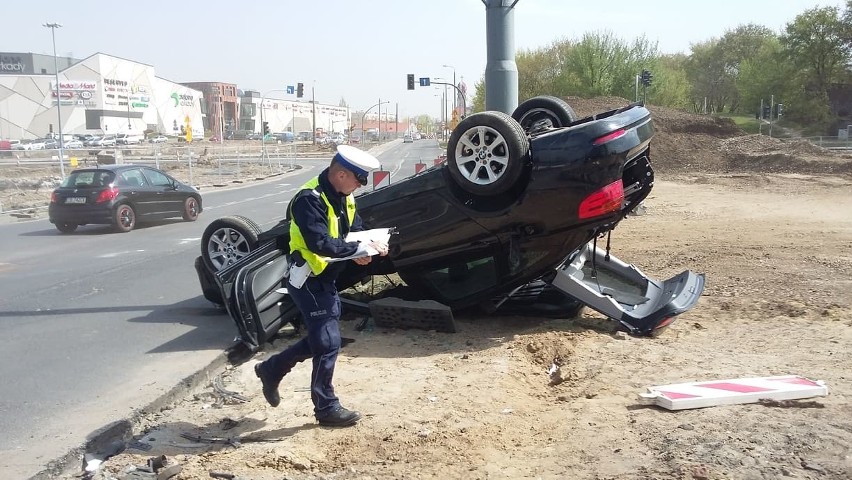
299, 273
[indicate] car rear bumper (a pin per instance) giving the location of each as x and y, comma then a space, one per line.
80, 214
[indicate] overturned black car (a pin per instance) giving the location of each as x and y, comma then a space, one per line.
516, 212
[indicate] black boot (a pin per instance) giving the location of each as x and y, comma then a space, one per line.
270, 386
339, 417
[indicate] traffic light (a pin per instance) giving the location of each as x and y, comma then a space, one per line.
646, 78
300, 90
265, 128
411, 81
779, 110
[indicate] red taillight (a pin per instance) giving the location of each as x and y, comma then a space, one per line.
107, 195
665, 323
53, 197
606, 200
609, 137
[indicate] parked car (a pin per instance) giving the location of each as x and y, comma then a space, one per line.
72, 144
158, 139
285, 137
104, 141
9, 144
120, 195
128, 139
23, 145
84, 137
514, 213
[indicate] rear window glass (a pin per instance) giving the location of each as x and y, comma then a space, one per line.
88, 178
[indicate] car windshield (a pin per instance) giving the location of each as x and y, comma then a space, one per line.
88, 179
462, 279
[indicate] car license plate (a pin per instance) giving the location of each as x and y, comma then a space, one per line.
75, 200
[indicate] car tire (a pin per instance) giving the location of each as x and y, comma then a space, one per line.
190, 209
486, 152
543, 113
228, 239
124, 218
66, 227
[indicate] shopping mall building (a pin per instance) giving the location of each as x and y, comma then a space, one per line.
103, 94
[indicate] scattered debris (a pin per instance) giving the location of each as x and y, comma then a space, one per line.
393, 312
157, 468
225, 394
555, 373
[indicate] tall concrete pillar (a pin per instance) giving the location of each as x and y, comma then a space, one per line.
501, 71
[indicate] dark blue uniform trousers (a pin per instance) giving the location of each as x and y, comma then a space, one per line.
320, 306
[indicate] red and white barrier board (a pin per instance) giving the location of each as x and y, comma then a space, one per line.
680, 396
381, 178
440, 160
419, 167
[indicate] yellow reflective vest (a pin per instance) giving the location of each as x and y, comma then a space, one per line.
297, 241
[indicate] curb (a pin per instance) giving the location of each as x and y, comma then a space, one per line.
121, 431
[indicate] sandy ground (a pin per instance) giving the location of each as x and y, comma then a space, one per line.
777, 252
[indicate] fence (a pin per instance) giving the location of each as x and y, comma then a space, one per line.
832, 143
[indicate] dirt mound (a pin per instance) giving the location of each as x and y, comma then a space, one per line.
691, 143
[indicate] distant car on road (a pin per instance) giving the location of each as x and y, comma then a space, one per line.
407, 138
120, 195
73, 144
158, 139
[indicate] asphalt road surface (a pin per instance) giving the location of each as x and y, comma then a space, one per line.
96, 325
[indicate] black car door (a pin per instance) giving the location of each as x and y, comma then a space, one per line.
166, 201
138, 191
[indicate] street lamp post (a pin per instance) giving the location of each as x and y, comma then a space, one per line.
454, 84
364, 116
53, 27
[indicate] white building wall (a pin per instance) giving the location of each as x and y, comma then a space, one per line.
293, 116
125, 96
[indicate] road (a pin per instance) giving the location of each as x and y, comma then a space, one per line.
98, 324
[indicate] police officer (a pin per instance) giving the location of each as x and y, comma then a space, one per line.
322, 213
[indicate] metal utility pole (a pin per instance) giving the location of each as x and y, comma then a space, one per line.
53, 27
501, 71
313, 116
771, 108
454, 84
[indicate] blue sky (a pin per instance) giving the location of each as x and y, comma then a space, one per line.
357, 51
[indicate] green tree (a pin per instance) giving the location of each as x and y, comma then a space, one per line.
817, 42
764, 75
478, 101
671, 87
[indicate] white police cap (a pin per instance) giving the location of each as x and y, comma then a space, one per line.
358, 161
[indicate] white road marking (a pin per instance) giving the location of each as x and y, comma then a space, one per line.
116, 254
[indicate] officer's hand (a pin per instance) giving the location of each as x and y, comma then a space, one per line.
380, 247
362, 260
